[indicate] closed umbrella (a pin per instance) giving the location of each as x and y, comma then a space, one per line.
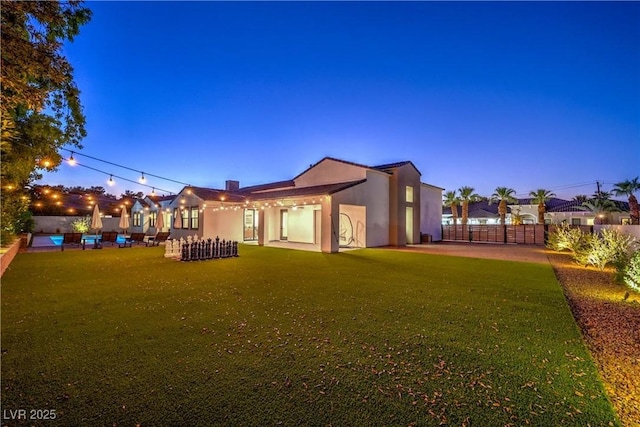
177, 221
160, 220
96, 221
124, 220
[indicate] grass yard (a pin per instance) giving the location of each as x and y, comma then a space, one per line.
369, 337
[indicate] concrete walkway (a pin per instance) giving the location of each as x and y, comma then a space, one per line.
508, 252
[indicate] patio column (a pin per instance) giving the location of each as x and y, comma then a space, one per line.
261, 227
330, 221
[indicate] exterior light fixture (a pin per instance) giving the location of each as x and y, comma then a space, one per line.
153, 191
142, 179
71, 161
182, 199
111, 181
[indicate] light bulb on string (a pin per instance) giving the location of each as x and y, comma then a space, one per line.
71, 161
153, 191
111, 182
142, 179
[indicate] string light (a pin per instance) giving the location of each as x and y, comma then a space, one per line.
142, 179
111, 181
71, 161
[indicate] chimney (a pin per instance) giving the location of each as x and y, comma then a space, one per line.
230, 185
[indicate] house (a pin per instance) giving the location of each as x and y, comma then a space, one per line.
144, 214
557, 211
331, 205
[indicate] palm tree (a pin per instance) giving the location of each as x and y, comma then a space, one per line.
600, 208
627, 188
581, 198
503, 195
467, 195
541, 196
451, 200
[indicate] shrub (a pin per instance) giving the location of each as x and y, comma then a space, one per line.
568, 238
80, 225
610, 247
632, 272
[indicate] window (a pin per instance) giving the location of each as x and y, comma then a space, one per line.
153, 217
137, 219
194, 217
185, 218
409, 194
575, 221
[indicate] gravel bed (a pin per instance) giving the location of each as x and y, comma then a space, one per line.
609, 317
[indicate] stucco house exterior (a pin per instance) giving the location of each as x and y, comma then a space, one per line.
332, 204
557, 211
144, 214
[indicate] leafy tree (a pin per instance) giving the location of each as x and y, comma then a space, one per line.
40, 104
451, 200
540, 197
627, 188
467, 195
131, 195
502, 196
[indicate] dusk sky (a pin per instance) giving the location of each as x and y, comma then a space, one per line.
523, 95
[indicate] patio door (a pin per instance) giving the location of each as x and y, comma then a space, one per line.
250, 225
284, 217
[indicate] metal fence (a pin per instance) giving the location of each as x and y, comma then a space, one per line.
528, 234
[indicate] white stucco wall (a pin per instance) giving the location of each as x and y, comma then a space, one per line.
330, 171
300, 225
353, 226
629, 230
374, 194
431, 211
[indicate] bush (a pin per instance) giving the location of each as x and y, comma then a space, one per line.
568, 238
610, 247
632, 272
80, 225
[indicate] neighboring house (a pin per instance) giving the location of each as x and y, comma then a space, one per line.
144, 214
558, 211
332, 204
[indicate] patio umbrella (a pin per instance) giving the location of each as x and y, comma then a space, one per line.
177, 221
124, 220
160, 220
96, 221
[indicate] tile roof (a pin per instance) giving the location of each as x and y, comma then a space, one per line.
389, 166
316, 190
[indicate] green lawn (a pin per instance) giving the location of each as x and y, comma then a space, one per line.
375, 337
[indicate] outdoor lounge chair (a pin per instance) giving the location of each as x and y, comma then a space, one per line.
72, 239
158, 238
134, 238
138, 238
106, 237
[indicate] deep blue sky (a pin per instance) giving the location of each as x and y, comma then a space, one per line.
524, 95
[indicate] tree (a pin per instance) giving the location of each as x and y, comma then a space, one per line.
451, 200
541, 196
40, 104
627, 188
131, 195
581, 198
601, 208
503, 195
467, 195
